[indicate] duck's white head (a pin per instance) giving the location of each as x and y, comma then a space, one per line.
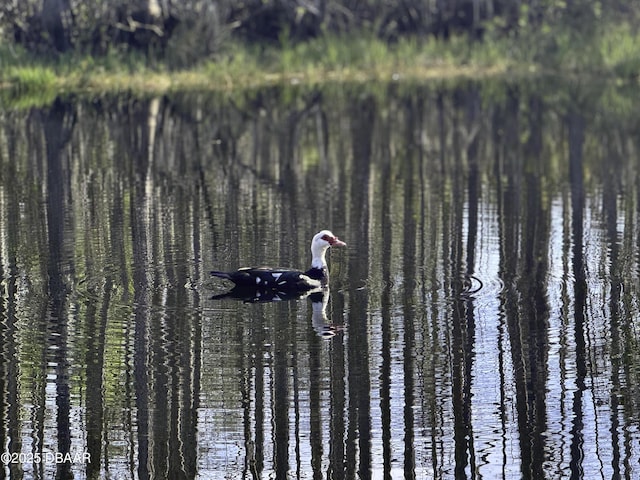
321, 242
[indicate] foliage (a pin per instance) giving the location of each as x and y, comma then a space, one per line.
186, 32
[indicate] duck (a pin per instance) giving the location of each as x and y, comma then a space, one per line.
284, 280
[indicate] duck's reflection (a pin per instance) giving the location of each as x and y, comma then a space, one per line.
261, 295
319, 298
319, 319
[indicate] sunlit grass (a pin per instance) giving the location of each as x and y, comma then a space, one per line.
31, 79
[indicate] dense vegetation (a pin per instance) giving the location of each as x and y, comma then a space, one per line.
195, 29
232, 39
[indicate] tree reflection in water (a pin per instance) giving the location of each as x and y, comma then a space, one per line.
482, 323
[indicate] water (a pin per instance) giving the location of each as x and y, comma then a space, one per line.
481, 323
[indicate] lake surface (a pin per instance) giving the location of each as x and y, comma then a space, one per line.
483, 321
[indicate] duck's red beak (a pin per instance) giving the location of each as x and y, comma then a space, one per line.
336, 242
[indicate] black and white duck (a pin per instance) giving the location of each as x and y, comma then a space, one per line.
284, 280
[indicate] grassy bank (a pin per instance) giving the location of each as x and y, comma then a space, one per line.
613, 54
244, 66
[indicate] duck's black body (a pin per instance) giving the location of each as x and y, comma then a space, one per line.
266, 278
280, 279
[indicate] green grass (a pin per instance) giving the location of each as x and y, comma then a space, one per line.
31, 79
353, 58
358, 58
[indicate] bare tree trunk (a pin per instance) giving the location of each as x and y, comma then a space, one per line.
56, 20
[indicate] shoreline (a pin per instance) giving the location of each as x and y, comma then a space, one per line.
355, 59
